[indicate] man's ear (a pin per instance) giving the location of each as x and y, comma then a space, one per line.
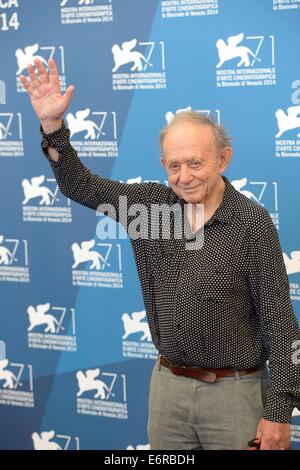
225, 158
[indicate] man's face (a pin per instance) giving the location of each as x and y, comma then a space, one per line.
191, 160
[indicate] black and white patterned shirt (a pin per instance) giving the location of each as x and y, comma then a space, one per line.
226, 305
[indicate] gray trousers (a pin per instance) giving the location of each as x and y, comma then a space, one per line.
190, 414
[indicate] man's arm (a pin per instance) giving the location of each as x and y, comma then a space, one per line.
74, 180
279, 329
77, 182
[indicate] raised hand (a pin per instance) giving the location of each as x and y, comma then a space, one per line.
45, 95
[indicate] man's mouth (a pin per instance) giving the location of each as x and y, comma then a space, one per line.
189, 189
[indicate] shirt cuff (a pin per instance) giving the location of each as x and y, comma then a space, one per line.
279, 411
59, 139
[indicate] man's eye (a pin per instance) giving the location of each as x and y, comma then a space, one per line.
175, 166
195, 164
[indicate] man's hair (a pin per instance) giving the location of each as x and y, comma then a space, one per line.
222, 140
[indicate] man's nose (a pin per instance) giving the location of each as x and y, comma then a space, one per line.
185, 175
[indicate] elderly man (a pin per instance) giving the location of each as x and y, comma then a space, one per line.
216, 313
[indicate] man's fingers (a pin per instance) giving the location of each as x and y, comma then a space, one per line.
69, 93
44, 77
28, 87
33, 76
53, 77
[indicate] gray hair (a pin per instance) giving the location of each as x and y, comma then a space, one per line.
222, 140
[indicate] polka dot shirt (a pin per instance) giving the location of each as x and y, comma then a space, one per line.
225, 305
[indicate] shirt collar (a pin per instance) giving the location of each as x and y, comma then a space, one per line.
224, 212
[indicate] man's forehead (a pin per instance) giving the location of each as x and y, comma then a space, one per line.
187, 128
203, 153
186, 157
188, 139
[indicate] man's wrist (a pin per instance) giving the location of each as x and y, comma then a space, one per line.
50, 126
59, 139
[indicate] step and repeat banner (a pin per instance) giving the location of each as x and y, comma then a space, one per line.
75, 349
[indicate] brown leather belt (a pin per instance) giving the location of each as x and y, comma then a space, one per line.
204, 374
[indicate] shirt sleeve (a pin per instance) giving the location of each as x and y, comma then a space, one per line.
278, 324
77, 182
